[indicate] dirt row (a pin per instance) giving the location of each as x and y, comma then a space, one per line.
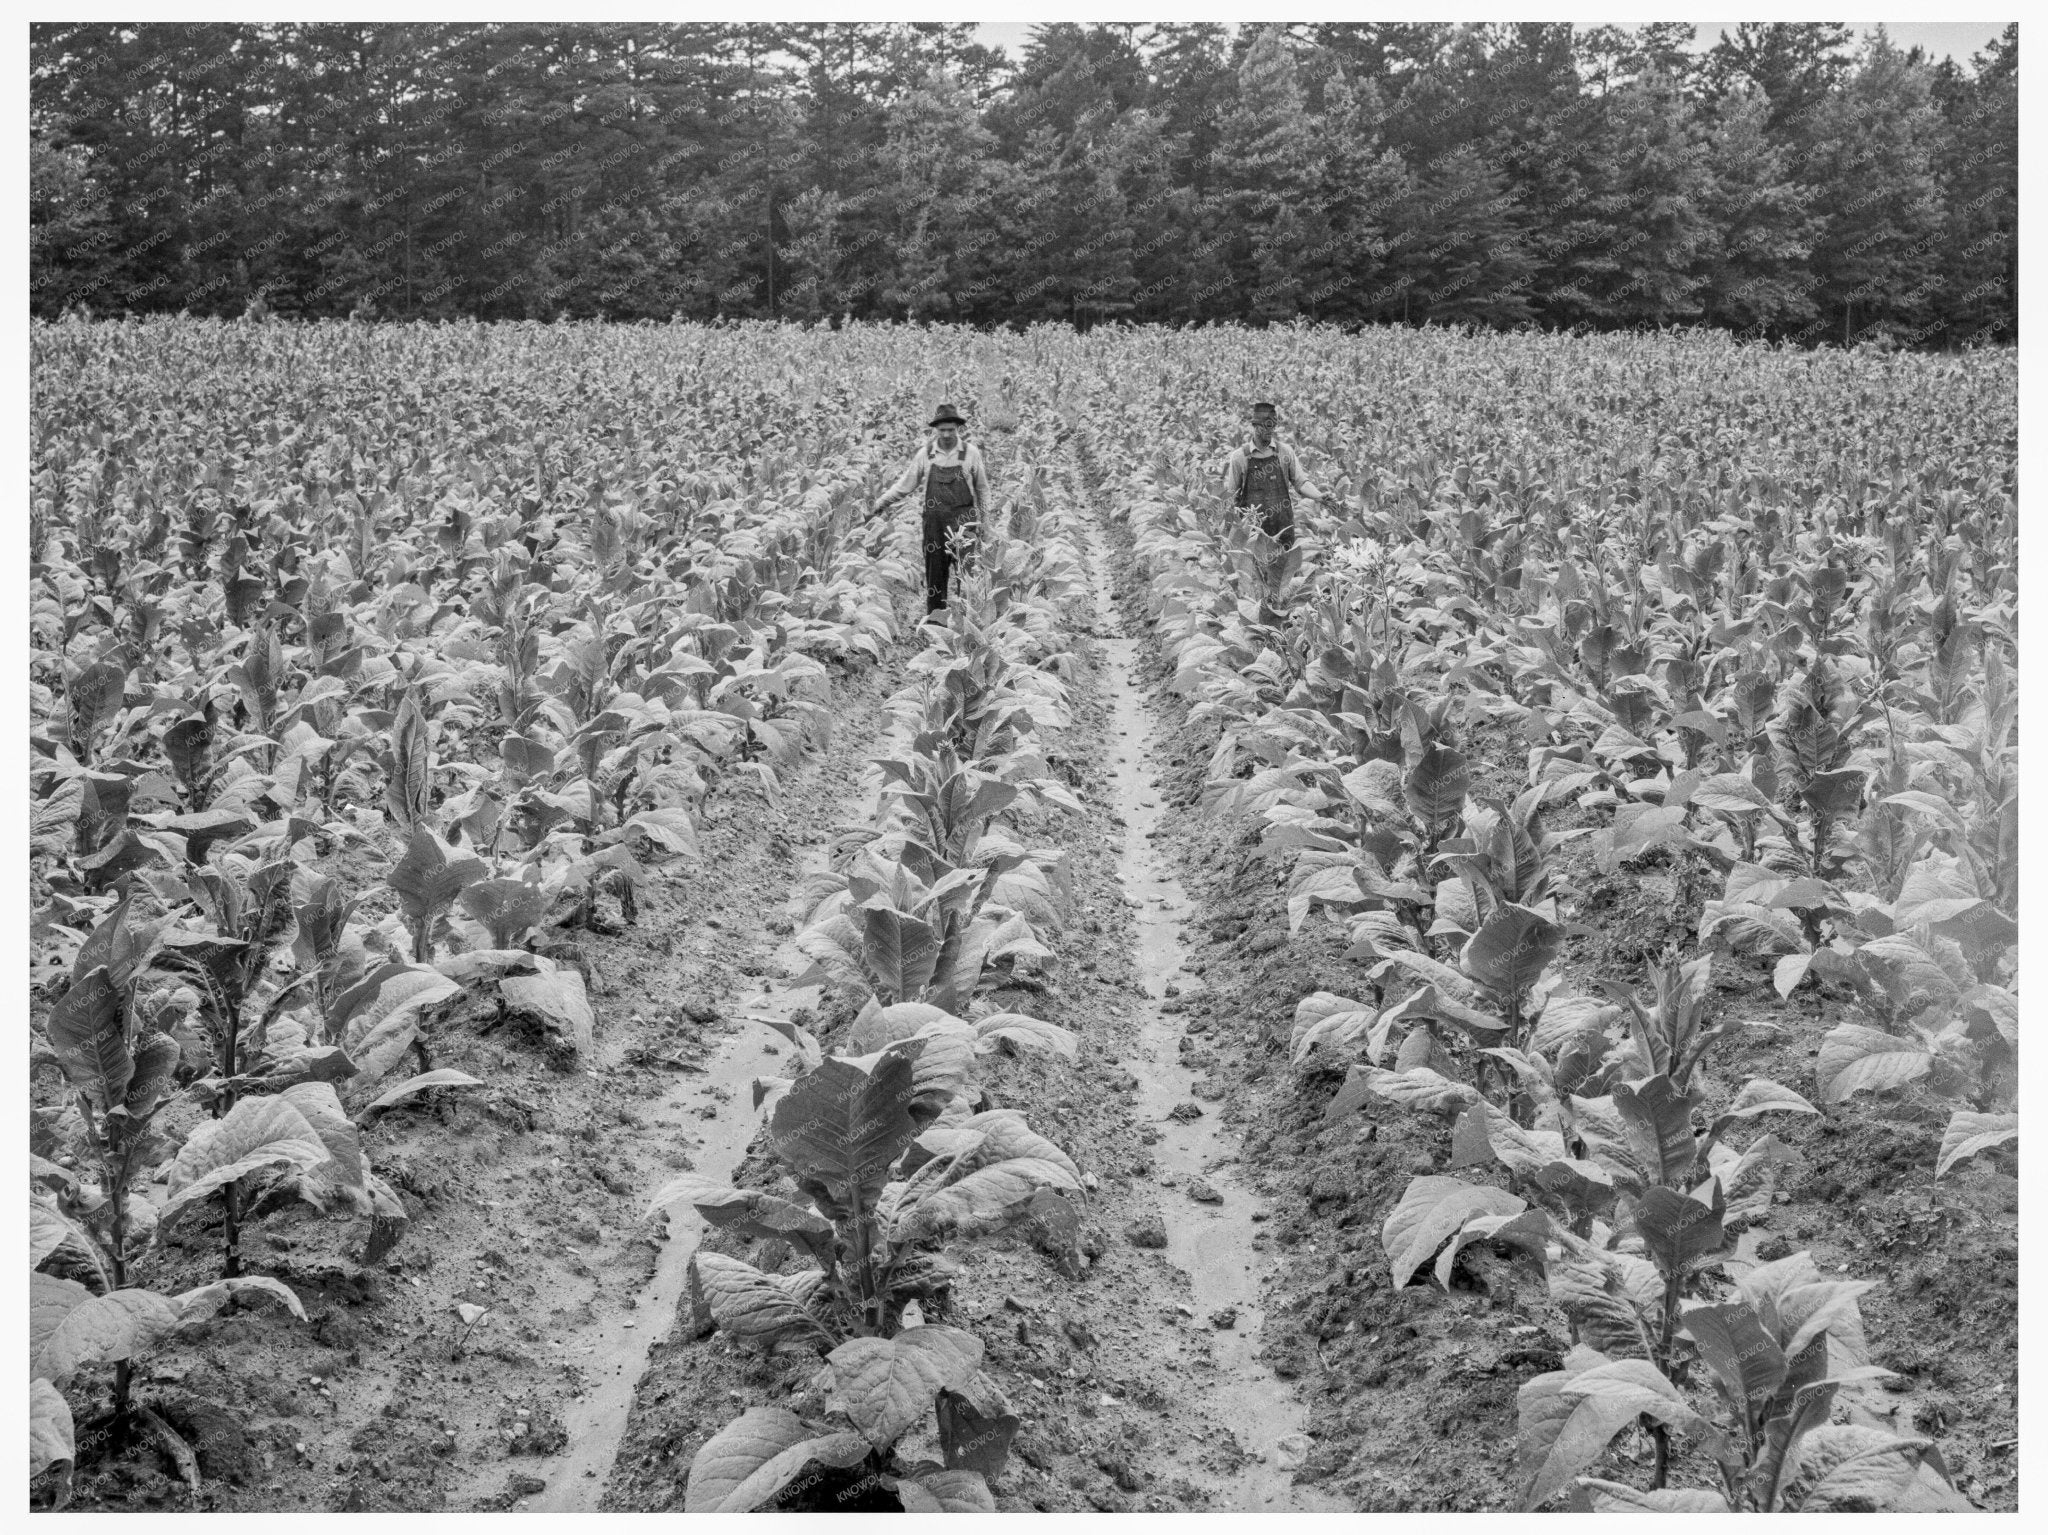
1411, 1394
1225, 1338
526, 1198
1137, 1365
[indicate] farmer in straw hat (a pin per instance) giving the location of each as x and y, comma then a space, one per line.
1262, 477
949, 477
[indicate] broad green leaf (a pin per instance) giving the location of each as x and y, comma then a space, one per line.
1591, 1289
1838, 795
900, 951
329, 1121
1731, 794
1430, 1211
1592, 1407
669, 827
1522, 1152
410, 779
843, 1127
986, 1200
972, 1440
254, 1134
1005, 1135
474, 965
388, 1220
1735, 1345
1582, 1186
204, 1301
746, 1302
51, 1231
51, 1438
89, 1034
1657, 1118
878, 1026
1848, 1468
103, 1329
1432, 1001
885, 1385
1324, 1018
1618, 1498
1419, 1088
156, 1059
1027, 1034
379, 1032
1906, 972
1526, 1231
1760, 1095
757, 1455
1825, 1308
947, 1492
1511, 949
1855, 1058
751, 1212
508, 908
444, 1076
50, 1300
1969, 1133
558, 999
1436, 787
428, 879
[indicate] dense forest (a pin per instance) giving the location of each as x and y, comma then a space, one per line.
1790, 182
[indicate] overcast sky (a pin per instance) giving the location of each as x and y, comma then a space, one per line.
1959, 38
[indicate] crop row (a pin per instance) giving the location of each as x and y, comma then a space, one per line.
885, 1139
315, 766
1826, 723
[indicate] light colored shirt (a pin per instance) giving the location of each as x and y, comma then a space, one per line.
911, 481
1235, 466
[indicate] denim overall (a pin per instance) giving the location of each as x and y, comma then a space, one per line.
1265, 487
948, 506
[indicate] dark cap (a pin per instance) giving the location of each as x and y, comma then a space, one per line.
947, 413
1264, 406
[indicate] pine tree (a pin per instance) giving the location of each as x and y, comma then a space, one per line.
1763, 230
1978, 164
1877, 261
1269, 154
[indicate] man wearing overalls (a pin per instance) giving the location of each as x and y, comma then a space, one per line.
1258, 476
953, 482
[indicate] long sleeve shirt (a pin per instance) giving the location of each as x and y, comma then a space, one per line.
911, 481
1235, 466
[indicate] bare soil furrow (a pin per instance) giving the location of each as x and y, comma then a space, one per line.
1212, 1234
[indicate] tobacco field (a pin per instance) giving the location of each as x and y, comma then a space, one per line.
552, 988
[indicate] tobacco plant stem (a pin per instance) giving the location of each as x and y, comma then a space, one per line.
231, 1227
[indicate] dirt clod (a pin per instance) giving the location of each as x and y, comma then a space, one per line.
1147, 1231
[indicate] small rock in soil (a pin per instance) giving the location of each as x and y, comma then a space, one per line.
1223, 1318
524, 1486
1147, 1231
1207, 1091
701, 1012
1185, 1112
1202, 1191
1265, 943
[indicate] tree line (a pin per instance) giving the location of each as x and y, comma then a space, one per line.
1789, 182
